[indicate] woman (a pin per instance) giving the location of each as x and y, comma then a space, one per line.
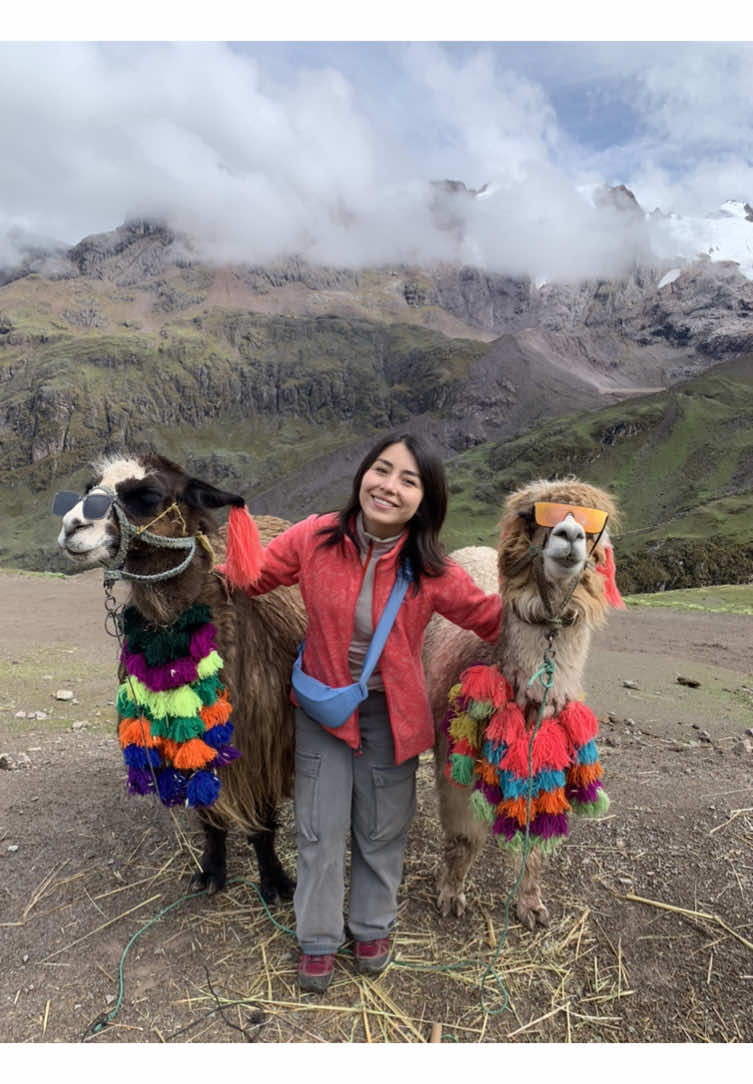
361, 777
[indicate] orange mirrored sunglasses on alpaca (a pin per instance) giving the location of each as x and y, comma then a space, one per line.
549, 514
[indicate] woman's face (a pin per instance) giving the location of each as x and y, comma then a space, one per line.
391, 491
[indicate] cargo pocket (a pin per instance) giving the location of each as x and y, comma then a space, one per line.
307, 795
394, 799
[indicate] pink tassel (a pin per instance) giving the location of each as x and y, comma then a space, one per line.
484, 683
609, 570
244, 549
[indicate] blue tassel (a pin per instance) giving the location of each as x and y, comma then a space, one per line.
225, 754
136, 756
172, 786
202, 788
588, 753
218, 735
140, 781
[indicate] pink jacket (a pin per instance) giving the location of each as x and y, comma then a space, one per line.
330, 581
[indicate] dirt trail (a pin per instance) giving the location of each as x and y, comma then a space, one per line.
84, 867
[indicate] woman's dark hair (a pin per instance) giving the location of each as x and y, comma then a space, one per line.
422, 546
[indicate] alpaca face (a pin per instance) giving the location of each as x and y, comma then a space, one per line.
565, 550
90, 542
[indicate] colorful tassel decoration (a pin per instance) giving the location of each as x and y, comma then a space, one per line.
609, 571
174, 712
245, 554
516, 784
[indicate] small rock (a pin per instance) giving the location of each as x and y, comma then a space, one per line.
742, 747
749, 731
12, 847
630, 684
37, 715
25, 958
109, 998
6, 762
705, 736
691, 682
20, 714
23, 760
80, 724
612, 717
64, 694
612, 739
630, 722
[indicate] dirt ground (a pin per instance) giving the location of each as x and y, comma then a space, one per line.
651, 933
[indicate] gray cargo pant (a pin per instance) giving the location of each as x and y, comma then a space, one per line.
339, 790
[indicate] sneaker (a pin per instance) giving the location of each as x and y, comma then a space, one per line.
315, 972
372, 956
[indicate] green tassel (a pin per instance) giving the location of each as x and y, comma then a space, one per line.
461, 770
593, 810
480, 710
125, 705
207, 690
160, 728
481, 808
209, 665
183, 729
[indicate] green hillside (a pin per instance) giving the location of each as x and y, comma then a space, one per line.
680, 464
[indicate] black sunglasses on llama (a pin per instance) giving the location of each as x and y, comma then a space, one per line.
95, 505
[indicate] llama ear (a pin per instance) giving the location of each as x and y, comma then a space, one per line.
609, 570
198, 494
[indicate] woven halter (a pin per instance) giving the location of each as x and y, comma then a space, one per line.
128, 532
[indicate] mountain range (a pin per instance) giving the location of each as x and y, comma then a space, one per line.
273, 379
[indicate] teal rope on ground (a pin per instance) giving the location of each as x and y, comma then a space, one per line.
547, 680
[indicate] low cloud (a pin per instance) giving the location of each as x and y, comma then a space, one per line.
333, 162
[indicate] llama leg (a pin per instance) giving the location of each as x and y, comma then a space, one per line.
464, 836
213, 868
274, 882
530, 906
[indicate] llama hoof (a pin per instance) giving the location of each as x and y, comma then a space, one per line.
450, 902
531, 913
208, 881
281, 888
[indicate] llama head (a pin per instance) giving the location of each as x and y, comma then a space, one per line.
152, 494
545, 550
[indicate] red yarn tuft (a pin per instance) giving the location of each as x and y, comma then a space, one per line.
609, 570
485, 684
244, 549
580, 722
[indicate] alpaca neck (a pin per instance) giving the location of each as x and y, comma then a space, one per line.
521, 652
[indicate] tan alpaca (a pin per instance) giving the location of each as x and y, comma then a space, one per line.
543, 573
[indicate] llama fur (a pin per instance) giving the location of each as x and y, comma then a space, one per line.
518, 654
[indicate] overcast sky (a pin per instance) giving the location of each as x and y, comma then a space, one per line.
327, 151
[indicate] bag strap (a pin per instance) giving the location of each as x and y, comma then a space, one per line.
386, 621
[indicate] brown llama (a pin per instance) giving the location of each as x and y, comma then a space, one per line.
191, 635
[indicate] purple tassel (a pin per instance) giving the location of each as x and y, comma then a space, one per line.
202, 788
584, 795
506, 826
492, 793
225, 754
203, 642
547, 825
140, 781
160, 679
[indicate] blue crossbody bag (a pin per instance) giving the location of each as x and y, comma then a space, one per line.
333, 706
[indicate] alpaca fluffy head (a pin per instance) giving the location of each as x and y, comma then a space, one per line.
595, 589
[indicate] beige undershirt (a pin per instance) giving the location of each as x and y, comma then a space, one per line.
363, 628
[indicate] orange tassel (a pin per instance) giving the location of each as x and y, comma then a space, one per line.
136, 732
168, 748
583, 774
244, 549
193, 754
216, 713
